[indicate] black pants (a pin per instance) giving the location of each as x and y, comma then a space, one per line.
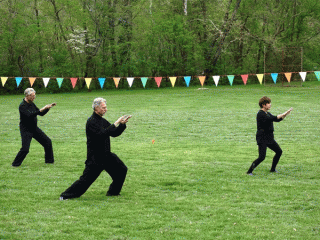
114, 167
274, 146
26, 137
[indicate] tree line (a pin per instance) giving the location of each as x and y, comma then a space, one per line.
146, 38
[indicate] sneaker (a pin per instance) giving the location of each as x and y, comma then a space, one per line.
275, 171
251, 174
62, 199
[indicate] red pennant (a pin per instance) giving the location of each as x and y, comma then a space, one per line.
158, 80
245, 78
73, 81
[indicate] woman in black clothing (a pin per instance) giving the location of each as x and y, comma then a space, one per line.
265, 137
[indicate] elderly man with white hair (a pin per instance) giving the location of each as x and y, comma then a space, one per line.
29, 128
99, 155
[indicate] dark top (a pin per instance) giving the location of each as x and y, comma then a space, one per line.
98, 131
28, 115
265, 127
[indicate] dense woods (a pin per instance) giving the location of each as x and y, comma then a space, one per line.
145, 38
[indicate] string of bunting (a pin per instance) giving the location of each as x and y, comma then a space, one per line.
158, 80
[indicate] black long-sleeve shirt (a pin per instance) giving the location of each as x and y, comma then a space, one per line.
98, 131
265, 127
28, 115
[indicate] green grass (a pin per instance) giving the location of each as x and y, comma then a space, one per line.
189, 184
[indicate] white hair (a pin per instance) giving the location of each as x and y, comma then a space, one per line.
97, 102
29, 91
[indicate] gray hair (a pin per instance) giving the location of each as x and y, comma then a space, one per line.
29, 91
97, 102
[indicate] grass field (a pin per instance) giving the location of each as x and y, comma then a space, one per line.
190, 184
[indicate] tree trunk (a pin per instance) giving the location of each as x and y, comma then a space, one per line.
39, 36
111, 36
227, 25
57, 18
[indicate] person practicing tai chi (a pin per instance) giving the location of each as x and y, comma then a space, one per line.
264, 136
29, 128
99, 155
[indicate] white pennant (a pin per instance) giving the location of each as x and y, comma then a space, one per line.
130, 81
216, 80
46, 81
303, 75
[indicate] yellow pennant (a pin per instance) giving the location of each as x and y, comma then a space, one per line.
173, 80
288, 76
260, 78
3, 80
88, 81
116, 81
32, 80
202, 79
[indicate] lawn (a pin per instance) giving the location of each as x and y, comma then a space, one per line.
189, 183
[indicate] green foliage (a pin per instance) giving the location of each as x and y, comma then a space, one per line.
153, 38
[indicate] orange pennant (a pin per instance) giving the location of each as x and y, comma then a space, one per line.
202, 79
32, 80
245, 78
116, 81
74, 81
288, 76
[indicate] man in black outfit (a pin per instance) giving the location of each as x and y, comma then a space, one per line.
99, 155
29, 129
264, 136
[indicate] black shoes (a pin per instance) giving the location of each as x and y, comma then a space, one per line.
112, 195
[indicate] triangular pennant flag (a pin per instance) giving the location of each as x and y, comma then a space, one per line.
173, 80
231, 77
288, 76
116, 81
88, 81
202, 79
303, 75
101, 81
187, 79
32, 80
74, 81
130, 81
317, 73
158, 80
260, 78
59, 81
46, 81
216, 80
18, 80
274, 77
244, 78
144, 81
3, 80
